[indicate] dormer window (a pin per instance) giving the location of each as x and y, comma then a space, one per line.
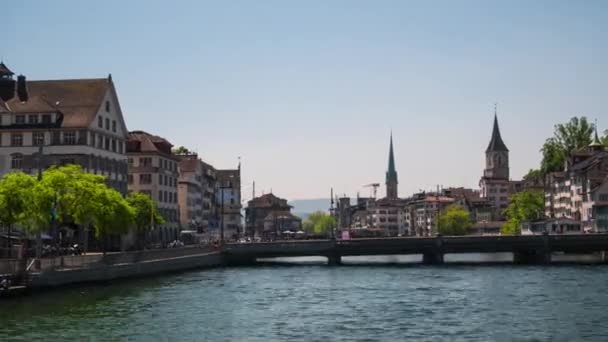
46, 118
20, 119
107, 106
32, 119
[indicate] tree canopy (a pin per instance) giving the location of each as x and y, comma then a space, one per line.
66, 194
319, 222
454, 220
146, 211
524, 206
181, 150
567, 137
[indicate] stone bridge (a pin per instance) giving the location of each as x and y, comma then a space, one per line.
525, 249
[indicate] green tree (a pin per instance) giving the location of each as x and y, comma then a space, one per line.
454, 220
15, 189
605, 138
181, 150
112, 213
146, 214
567, 137
525, 206
319, 222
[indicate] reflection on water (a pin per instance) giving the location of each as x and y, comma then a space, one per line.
391, 300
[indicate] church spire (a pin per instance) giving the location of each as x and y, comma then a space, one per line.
496, 143
391, 173
596, 140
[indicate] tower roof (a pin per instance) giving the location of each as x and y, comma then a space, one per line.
596, 139
496, 143
5, 71
391, 173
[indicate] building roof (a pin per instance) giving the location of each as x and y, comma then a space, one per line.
496, 143
5, 71
78, 100
268, 201
34, 104
144, 142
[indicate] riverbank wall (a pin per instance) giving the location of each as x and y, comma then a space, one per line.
127, 265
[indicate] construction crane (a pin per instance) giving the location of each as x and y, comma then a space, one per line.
375, 188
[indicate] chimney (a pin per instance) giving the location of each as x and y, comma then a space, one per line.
21, 88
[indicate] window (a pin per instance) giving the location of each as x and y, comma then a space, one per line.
107, 106
107, 143
17, 139
160, 195
69, 138
130, 160
38, 138
20, 119
46, 119
17, 161
120, 147
160, 179
92, 139
32, 119
145, 178
113, 125
100, 121
603, 197
145, 161
166, 180
130, 177
113, 145
107, 123
100, 142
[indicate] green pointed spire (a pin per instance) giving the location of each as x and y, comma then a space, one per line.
596, 139
391, 173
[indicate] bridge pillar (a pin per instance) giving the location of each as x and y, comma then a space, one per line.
532, 257
334, 260
432, 258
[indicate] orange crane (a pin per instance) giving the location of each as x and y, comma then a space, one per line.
374, 186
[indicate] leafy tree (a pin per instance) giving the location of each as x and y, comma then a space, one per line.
319, 222
146, 214
525, 206
567, 137
112, 213
535, 176
605, 138
15, 189
454, 220
181, 150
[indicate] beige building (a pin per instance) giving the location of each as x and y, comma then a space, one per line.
75, 121
190, 192
228, 197
579, 192
153, 170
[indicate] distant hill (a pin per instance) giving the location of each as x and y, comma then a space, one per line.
305, 207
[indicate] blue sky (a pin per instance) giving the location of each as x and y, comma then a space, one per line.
306, 92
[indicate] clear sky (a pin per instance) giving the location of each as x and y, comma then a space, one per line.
307, 92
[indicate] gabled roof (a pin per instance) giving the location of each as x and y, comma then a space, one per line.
496, 143
140, 141
34, 104
4, 70
78, 100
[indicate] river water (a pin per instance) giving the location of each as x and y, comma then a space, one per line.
387, 301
